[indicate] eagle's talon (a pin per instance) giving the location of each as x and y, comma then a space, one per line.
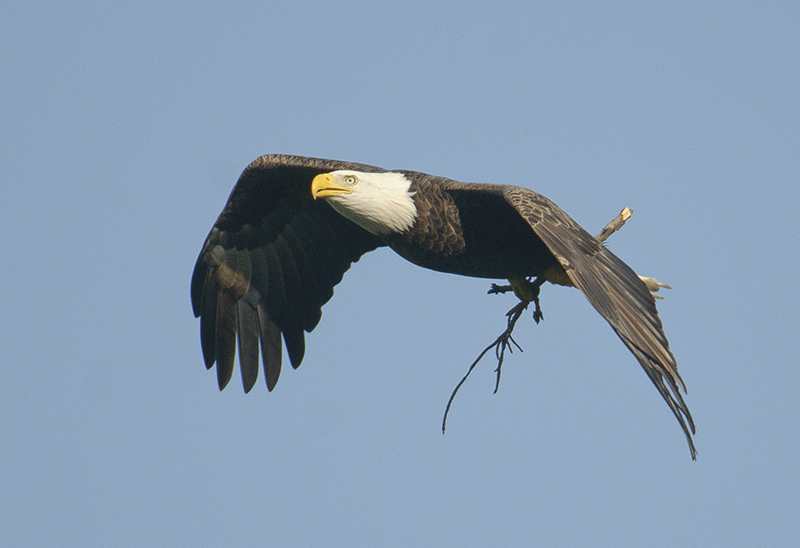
537, 311
499, 289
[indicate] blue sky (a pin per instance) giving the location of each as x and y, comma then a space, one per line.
123, 129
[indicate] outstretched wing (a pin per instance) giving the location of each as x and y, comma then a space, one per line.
614, 290
269, 264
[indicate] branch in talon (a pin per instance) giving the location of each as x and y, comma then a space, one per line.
500, 344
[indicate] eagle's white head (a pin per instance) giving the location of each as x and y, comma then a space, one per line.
378, 202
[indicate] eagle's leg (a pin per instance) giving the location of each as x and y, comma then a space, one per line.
526, 291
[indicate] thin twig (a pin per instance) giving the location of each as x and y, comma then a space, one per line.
500, 344
505, 338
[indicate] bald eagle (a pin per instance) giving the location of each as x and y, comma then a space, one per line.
293, 225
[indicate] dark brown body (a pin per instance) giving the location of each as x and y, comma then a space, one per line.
452, 233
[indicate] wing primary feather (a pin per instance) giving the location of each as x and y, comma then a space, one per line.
226, 338
295, 345
271, 347
248, 331
676, 405
198, 284
208, 321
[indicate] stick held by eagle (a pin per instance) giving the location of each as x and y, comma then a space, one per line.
294, 225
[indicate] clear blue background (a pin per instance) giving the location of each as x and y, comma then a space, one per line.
123, 127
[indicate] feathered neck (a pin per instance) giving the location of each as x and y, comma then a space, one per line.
380, 203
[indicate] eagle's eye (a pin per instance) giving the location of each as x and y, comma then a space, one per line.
350, 179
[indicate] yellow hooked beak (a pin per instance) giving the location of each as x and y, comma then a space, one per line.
323, 187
